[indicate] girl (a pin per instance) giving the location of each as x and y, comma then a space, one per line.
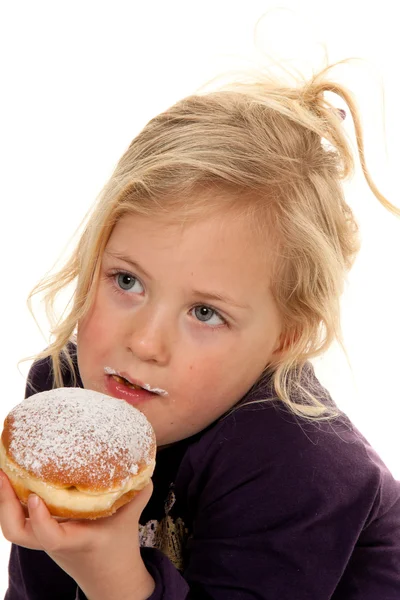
211, 270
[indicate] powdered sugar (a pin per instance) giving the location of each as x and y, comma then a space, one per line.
84, 435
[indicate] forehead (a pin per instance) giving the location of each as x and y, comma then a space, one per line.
228, 239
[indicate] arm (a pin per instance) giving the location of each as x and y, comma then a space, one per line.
168, 582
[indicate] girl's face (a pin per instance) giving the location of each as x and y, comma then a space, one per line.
185, 311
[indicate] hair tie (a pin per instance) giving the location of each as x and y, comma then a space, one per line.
342, 113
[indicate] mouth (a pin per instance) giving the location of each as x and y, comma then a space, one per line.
123, 379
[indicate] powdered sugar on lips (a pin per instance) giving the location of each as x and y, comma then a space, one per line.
145, 386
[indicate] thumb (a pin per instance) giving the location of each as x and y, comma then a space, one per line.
134, 508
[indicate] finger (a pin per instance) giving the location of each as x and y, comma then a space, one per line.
47, 530
15, 527
58, 535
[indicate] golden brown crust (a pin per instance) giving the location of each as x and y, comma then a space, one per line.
81, 477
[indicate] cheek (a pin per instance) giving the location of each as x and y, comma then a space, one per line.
91, 329
208, 382
224, 377
94, 326
92, 337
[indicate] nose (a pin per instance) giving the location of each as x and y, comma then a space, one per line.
149, 336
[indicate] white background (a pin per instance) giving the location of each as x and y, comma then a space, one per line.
80, 79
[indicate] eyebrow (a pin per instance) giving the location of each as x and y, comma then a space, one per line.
210, 296
213, 296
128, 260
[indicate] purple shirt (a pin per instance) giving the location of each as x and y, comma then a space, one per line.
262, 505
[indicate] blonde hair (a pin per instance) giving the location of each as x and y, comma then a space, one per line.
279, 153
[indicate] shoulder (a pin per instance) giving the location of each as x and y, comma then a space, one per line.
41, 376
268, 432
307, 500
270, 436
265, 450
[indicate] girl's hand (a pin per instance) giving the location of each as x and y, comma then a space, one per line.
102, 556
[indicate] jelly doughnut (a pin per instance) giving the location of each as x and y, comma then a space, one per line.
84, 453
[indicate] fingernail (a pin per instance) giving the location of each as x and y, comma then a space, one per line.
33, 501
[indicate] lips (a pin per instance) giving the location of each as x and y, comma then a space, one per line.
126, 380
121, 388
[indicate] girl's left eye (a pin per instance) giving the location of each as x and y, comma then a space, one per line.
208, 315
128, 283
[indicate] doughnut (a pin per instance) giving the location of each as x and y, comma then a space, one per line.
84, 453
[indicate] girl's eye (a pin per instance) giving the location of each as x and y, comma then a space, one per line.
208, 315
128, 283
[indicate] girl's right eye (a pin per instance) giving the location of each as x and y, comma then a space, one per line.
128, 283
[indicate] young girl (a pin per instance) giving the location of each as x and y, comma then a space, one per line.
211, 270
